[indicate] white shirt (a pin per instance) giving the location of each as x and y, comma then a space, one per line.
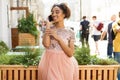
94, 30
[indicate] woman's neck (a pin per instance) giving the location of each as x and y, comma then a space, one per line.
59, 25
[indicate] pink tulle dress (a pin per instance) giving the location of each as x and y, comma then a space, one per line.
55, 64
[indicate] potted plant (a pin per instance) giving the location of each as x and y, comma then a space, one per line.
27, 25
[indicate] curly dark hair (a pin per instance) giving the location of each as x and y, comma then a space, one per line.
64, 8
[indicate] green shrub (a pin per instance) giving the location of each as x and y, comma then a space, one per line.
4, 59
82, 55
30, 57
3, 48
107, 62
28, 25
84, 58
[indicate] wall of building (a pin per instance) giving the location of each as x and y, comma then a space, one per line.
85, 8
4, 27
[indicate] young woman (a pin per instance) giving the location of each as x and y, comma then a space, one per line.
57, 62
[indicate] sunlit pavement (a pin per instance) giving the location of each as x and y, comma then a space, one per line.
102, 46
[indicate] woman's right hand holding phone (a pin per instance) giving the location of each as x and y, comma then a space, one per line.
51, 32
48, 30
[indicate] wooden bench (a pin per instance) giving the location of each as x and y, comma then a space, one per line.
86, 72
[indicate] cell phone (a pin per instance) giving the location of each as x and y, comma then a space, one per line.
50, 18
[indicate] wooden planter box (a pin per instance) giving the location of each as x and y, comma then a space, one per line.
26, 39
22, 39
86, 72
98, 72
18, 72
14, 37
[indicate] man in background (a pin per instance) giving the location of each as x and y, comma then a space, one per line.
106, 30
84, 28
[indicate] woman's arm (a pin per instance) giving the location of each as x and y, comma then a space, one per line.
46, 36
103, 34
46, 39
68, 49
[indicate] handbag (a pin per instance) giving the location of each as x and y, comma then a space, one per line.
100, 26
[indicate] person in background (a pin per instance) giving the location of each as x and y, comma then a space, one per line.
106, 30
42, 25
58, 62
84, 29
116, 42
95, 33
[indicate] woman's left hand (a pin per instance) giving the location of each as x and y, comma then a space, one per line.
54, 34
